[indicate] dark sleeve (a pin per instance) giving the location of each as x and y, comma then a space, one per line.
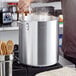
69, 29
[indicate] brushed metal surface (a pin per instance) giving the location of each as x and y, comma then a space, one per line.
6, 62
38, 46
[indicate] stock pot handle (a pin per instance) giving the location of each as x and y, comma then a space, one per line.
26, 24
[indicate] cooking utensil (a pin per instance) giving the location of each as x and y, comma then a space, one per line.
3, 48
10, 47
6, 48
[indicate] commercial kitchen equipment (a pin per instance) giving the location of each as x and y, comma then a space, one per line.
38, 40
5, 16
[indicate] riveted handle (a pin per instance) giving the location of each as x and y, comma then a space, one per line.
27, 26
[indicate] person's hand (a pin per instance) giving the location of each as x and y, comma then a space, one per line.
23, 5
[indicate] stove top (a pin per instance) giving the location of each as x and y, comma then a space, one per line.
19, 70
26, 70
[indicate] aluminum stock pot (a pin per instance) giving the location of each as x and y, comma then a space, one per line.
38, 41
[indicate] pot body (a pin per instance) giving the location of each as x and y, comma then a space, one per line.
38, 43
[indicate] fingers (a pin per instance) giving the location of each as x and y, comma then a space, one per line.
23, 5
23, 9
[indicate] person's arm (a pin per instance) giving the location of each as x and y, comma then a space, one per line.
23, 5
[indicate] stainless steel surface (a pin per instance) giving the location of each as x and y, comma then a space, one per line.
5, 16
38, 42
6, 65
